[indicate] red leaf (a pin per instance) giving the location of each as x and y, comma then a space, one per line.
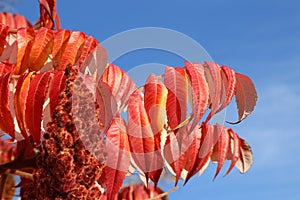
155, 98
139, 191
34, 105
245, 160
6, 120
213, 78
41, 49
72, 50
87, 48
221, 148
120, 83
20, 98
118, 157
3, 34
107, 105
245, 95
21, 21
199, 92
204, 152
229, 82
234, 152
140, 135
25, 38
181, 150
176, 81
57, 85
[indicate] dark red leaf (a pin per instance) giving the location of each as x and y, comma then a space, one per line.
6, 120
3, 34
56, 87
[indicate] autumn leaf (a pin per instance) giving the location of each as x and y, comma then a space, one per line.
6, 120
120, 83
34, 104
20, 98
176, 81
118, 157
245, 95
57, 85
229, 83
200, 92
213, 77
25, 38
140, 135
41, 49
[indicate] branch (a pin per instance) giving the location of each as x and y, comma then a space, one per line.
164, 194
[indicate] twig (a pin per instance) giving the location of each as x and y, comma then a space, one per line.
164, 194
21, 174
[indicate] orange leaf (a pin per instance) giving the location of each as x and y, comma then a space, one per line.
60, 42
20, 98
88, 46
41, 49
25, 38
72, 50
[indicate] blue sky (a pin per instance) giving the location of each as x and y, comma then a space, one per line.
260, 38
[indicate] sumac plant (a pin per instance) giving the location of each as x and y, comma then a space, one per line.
74, 126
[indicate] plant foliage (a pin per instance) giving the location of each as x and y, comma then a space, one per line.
61, 106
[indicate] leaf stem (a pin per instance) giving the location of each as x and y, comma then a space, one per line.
164, 194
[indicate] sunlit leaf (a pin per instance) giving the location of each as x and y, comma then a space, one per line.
200, 92
176, 81
34, 104
245, 95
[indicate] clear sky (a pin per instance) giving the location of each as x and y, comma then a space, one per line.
260, 38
